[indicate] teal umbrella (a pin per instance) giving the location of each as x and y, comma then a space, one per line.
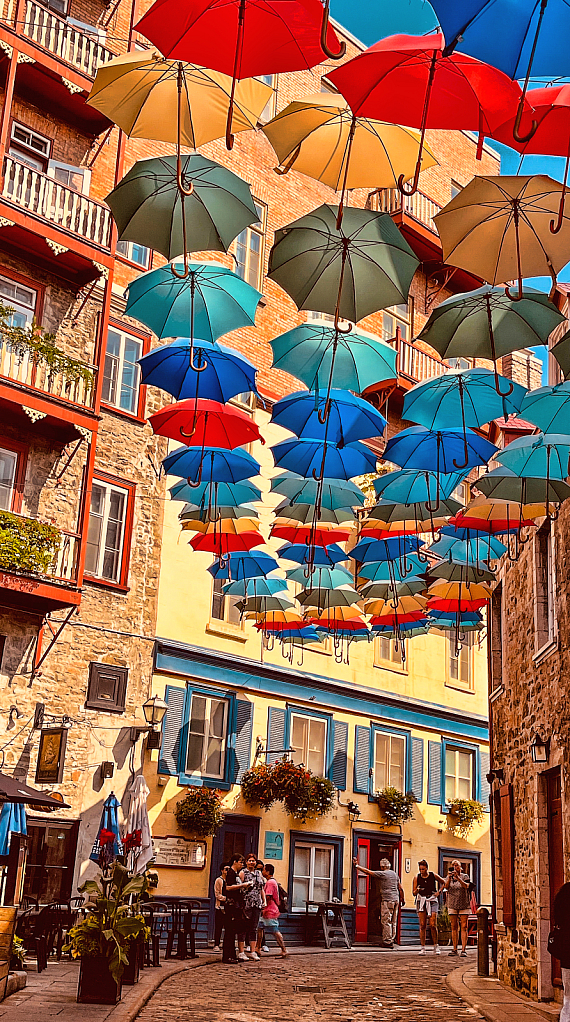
548, 408
320, 355
150, 209
460, 399
306, 514
336, 493
321, 576
561, 352
543, 456
255, 587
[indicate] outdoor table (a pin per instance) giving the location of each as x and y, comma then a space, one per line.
329, 918
184, 923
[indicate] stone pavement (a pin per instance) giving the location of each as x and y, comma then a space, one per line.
496, 1002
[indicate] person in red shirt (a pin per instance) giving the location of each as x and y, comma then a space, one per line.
269, 921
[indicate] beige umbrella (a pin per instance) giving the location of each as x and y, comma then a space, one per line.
320, 137
499, 228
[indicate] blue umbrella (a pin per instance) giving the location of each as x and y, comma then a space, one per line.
216, 495
392, 571
300, 636
314, 457
544, 456
209, 302
458, 399
548, 408
336, 493
468, 618
303, 554
321, 577
255, 587
12, 821
204, 370
217, 464
252, 564
350, 418
385, 549
481, 547
418, 447
411, 486
105, 853
407, 628
308, 352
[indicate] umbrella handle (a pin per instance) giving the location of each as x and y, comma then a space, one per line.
186, 272
556, 225
290, 162
324, 29
414, 185
199, 480
516, 133
514, 297
197, 368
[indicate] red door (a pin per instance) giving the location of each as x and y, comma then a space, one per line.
555, 851
362, 891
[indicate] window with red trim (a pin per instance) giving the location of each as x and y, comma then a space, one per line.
121, 372
110, 530
13, 457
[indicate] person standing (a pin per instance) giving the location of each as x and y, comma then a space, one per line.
562, 922
457, 885
426, 893
220, 905
253, 902
269, 921
391, 897
234, 891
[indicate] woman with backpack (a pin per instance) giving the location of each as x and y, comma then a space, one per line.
559, 944
269, 921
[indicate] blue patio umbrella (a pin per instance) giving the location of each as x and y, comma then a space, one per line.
385, 549
308, 351
109, 822
418, 447
350, 417
336, 493
207, 303
392, 571
475, 618
302, 554
216, 465
321, 576
255, 587
544, 455
314, 457
216, 495
548, 408
204, 370
12, 821
412, 486
251, 564
460, 399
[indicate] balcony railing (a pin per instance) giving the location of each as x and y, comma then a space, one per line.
418, 205
42, 195
29, 549
54, 34
39, 376
417, 365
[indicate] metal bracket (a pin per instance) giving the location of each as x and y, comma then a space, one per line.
55, 634
71, 456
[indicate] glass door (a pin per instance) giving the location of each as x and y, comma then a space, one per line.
362, 891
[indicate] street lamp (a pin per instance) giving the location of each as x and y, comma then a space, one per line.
154, 710
353, 811
540, 749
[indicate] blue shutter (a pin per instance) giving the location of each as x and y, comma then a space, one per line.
275, 733
362, 759
485, 766
418, 769
169, 757
242, 744
434, 773
340, 744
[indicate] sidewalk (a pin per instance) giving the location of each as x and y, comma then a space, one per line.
495, 1001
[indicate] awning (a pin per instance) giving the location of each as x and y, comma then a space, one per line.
14, 790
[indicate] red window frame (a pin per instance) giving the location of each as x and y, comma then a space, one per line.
21, 450
123, 484
141, 335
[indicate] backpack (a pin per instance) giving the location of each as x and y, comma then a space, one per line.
283, 898
557, 944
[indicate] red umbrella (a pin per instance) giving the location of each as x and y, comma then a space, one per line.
224, 543
407, 79
243, 38
495, 527
397, 619
204, 423
455, 606
309, 534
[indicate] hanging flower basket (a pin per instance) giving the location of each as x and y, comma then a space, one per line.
463, 814
200, 812
257, 786
396, 807
301, 792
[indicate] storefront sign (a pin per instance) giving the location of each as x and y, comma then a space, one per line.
180, 852
273, 844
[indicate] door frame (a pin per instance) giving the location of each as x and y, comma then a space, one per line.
233, 820
462, 853
386, 838
550, 776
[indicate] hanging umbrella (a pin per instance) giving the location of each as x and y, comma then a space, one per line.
474, 548
138, 822
445, 590
411, 80
150, 209
334, 614
383, 590
198, 517
561, 352
312, 457
213, 497
12, 821
306, 514
235, 525
373, 529
466, 618
108, 842
321, 577
412, 486
456, 607
384, 549
390, 511
275, 617
543, 455
209, 300
342, 596
263, 604
498, 228
202, 370
243, 37
491, 514
319, 355
420, 448
320, 136
392, 571
350, 417
205, 423
403, 605
452, 572
254, 564
503, 482
224, 543
302, 554
404, 630
320, 535
255, 587
548, 408
217, 464
335, 492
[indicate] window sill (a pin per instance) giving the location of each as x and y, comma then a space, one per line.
99, 708
457, 687
226, 631
131, 416
203, 782
387, 665
117, 587
545, 651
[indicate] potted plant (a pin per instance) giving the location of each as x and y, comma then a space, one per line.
257, 787
396, 807
104, 938
463, 814
17, 954
200, 812
443, 927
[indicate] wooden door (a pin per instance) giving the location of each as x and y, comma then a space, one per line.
362, 891
239, 834
555, 852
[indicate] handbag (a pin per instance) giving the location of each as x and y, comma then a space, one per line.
557, 945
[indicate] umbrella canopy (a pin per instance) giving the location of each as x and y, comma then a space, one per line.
349, 272
539, 456
462, 572
328, 459
234, 525
342, 596
105, 850
216, 464
411, 486
150, 209
335, 492
487, 512
561, 352
255, 587
201, 370
306, 514
139, 92
456, 607
330, 614
318, 555
420, 448
392, 571
548, 408
388, 608
389, 511
264, 604
319, 535
321, 576
384, 549
212, 497
12, 821
498, 228
204, 423
503, 482
138, 820
476, 547
319, 354
200, 517
459, 399
466, 618
386, 590
224, 543
460, 590
254, 564
209, 301
350, 417
12, 789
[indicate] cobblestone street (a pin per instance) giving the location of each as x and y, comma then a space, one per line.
344, 987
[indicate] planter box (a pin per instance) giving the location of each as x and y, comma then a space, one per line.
96, 985
131, 971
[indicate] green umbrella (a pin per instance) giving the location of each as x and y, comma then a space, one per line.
149, 208
452, 572
504, 484
386, 590
305, 513
343, 596
561, 352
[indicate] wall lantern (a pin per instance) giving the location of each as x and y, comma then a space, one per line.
540, 749
154, 710
353, 811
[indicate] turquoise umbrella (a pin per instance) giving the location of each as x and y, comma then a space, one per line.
480, 547
215, 495
321, 577
336, 493
542, 456
12, 821
458, 399
561, 352
320, 355
392, 571
548, 408
412, 486
260, 586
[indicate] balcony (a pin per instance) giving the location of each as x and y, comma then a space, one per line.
55, 35
419, 206
38, 563
415, 364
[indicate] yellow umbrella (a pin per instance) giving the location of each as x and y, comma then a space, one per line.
275, 616
338, 614
494, 509
409, 525
499, 228
385, 608
461, 590
320, 137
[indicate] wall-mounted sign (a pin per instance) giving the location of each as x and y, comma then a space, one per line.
51, 755
273, 844
408, 865
180, 852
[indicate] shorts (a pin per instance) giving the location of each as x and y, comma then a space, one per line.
459, 911
431, 908
269, 925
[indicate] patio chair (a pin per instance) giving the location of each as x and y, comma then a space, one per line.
157, 915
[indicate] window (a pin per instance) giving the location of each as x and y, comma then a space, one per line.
459, 773
249, 250
121, 373
107, 687
138, 254
397, 316
206, 751
460, 674
8, 465
269, 109
60, 6
389, 761
29, 147
544, 587
106, 535
460, 363
308, 740
495, 639
76, 178
455, 188
51, 860
225, 608
313, 871
389, 651
19, 298
461, 493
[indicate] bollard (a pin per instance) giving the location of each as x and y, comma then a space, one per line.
482, 941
